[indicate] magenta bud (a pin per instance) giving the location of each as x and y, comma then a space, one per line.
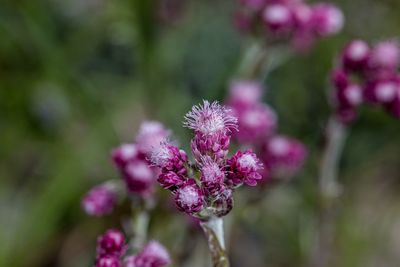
278, 17
381, 91
189, 198
150, 136
171, 180
152, 255
124, 154
255, 123
108, 261
99, 201
139, 177
244, 93
385, 55
349, 96
283, 156
112, 242
355, 55
327, 19
244, 167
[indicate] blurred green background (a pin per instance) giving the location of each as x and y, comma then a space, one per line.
77, 77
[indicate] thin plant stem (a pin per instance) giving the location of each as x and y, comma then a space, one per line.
214, 232
330, 190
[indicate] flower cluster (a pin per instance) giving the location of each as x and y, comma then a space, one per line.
290, 19
131, 159
111, 248
367, 74
281, 156
204, 188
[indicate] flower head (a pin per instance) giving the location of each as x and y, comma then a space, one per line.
255, 123
283, 156
168, 156
244, 167
139, 177
210, 119
99, 201
125, 153
108, 261
152, 255
355, 55
277, 17
327, 19
171, 180
244, 93
189, 198
112, 242
385, 55
150, 135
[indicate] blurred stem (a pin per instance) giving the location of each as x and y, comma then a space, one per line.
214, 232
262, 58
141, 225
329, 193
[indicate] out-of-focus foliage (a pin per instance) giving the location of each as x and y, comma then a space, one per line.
78, 76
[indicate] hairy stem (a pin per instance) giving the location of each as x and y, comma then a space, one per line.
329, 192
214, 232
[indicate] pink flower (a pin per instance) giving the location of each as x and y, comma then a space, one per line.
213, 125
112, 242
382, 91
212, 175
125, 153
139, 177
108, 261
244, 168
355, 55
283, 156
150, 135
385, 55
171, 180
278, 17
189, 198
152, 255
255, 123
169, 157
327, 19
99, 201
244, 93
210, 119
349, 96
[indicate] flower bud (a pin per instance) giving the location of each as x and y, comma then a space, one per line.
150, 135
99, 201
244, 168
283, 156
355, 55
244, 93
385, 55
189, 198
171, 180
381, 91
112, 242
152, 255
108, 261
327, 19
277, 17
124, 154
255, 123
139, 177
